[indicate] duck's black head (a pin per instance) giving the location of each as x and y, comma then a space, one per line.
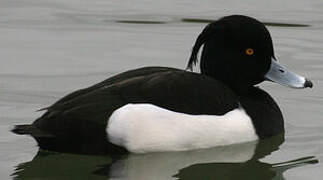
238, 51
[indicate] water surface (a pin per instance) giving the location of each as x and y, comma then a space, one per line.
50, 48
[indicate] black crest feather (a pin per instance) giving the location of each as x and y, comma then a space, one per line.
201, 39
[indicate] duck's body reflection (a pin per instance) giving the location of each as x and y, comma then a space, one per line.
232, 162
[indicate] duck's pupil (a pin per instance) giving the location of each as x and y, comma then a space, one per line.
249, 51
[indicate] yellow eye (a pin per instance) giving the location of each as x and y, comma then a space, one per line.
250, 51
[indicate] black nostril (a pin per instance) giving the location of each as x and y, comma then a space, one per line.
282, 71
308, 83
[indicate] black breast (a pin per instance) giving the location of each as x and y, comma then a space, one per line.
264, 112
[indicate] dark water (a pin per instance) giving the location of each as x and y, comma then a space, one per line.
50, 48
231, 162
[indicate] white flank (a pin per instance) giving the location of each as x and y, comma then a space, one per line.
142, 128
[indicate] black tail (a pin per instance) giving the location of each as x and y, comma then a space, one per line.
71, 143
30, 130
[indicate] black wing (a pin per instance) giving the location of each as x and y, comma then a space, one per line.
77, 122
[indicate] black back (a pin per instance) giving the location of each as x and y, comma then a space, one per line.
77, 122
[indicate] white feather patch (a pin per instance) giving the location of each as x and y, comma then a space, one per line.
142, 128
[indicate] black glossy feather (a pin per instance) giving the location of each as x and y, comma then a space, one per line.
78, 121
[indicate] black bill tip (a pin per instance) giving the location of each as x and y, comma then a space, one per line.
308, 83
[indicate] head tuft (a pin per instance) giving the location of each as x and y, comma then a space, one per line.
201, 39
